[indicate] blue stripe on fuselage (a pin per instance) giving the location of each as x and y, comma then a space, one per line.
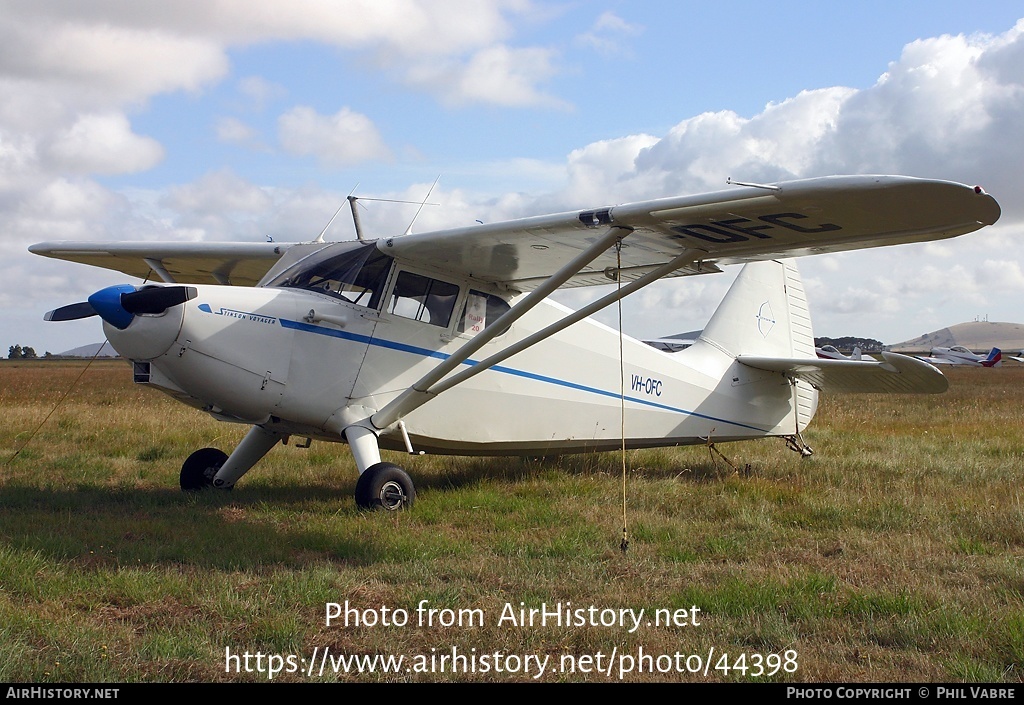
425, 352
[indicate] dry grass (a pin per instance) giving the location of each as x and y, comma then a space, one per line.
893, 554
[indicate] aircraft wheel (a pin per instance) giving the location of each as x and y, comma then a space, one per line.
199, 468
385, 486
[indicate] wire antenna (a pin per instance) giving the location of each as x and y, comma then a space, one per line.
320, 237
353, 202
420, 209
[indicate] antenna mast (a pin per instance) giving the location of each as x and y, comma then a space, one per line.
320, 237
355, 217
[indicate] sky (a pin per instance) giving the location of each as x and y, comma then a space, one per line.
242, 120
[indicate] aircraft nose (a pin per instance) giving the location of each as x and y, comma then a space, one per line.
118, 305
107, 304
141, 324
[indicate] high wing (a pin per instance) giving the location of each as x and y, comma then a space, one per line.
893, 374
237, 263
743, 224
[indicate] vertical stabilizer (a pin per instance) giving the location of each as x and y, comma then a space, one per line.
765, 314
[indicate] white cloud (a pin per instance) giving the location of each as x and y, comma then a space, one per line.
101, 61
606, 171
217, 193
495, 75
103, 144
783, 142
609, 35
18, 157
260, 91
235, 131
342, 139
183, 45
949, 108
1000, 276
65, 200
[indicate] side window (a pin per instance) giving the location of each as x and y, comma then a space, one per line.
481, 310
423, 299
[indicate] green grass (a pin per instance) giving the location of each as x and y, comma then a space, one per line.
893, 554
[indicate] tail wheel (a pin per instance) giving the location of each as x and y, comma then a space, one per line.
385, 486
199, 468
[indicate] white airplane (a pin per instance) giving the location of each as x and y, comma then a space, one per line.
831, 352
445, 341
960, 355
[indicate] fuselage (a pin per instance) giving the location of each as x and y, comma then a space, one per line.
960, 355
307, 361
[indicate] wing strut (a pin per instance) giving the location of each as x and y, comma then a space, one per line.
687, 257
419, 393
413, 397
158, 267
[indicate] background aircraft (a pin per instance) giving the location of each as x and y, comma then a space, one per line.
959, 355
830, 352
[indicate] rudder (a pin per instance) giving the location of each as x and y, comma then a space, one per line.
765, 313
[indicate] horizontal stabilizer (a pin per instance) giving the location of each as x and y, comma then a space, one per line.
894, 374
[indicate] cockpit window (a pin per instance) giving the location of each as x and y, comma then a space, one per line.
423, 299
481, 310
357, 276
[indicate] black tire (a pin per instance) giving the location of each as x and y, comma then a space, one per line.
199, 468
386, 487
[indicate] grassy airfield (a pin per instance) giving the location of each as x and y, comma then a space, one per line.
893, 554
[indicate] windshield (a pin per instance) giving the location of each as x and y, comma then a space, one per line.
356, 275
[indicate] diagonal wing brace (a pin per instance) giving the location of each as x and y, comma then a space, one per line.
434, 383
420, 392
688, 257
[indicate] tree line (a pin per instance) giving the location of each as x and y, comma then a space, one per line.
17, 352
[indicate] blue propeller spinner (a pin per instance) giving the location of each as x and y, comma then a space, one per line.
118, 305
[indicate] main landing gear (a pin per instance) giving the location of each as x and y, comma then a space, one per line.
381, 486
385, 486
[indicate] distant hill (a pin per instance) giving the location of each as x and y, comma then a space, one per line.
980, 336
90, 350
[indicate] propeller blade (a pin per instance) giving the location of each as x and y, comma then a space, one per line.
157, 299
71, 312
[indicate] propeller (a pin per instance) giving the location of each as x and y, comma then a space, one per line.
71, 312
157, 299
117, 305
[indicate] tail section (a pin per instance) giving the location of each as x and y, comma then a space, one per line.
764, 314
995, 356
760, 347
